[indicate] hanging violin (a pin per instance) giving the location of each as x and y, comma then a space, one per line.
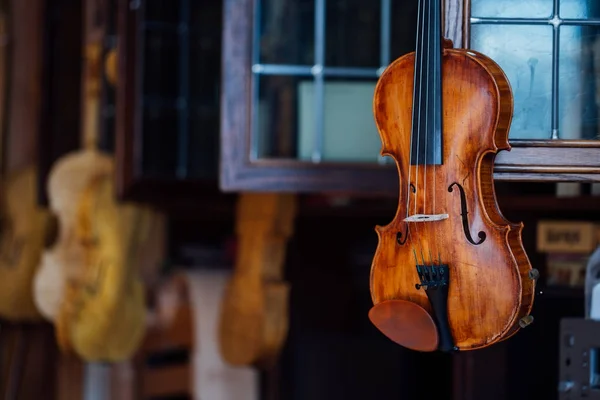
450, 272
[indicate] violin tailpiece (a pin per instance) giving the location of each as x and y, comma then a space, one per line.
435, 280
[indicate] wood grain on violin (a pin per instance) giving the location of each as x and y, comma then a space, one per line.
450, 272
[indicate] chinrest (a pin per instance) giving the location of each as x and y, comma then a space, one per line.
405, 323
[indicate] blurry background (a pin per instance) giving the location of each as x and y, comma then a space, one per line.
216, 99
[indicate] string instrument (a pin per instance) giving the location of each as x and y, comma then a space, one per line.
254, 318
449, 272
103, 316
67, 180
89, 284
71, 174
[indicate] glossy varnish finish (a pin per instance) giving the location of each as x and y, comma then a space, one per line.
490, 290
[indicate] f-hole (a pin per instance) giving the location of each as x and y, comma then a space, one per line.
400, 238
464, 214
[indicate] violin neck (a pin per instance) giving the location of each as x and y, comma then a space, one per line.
426, 135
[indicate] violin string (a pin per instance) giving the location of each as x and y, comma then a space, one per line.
427, 106
437, 21
419, 9
424, 37
420, 111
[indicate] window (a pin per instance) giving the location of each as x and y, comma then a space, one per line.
177, 62
298, 80
315, 64
550, 51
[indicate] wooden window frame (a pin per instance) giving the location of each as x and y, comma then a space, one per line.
127, 96
531, 160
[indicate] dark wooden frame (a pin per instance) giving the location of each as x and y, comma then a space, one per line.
42, 63
131, 182
527, 161
127, 119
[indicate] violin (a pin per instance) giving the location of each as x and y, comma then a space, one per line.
450, 272
67, 180
254, 319
102, 317
89, 282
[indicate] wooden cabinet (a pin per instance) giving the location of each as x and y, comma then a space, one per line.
298, 79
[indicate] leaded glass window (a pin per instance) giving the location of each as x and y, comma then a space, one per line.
179, 82
316, 62
550, 51
315, 65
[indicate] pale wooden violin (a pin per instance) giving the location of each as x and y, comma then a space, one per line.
450, 272
89, 282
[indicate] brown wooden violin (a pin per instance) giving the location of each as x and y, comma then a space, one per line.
450, 272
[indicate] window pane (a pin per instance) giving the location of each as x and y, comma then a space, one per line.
205, 15
404, 27
353, 33
162, 11
578, 102
287, 32
350, 133
583, 9
512, 8
161, 63
205, 72
205, 57
159, 145
203, 147
275, 126
286, 123
525, 55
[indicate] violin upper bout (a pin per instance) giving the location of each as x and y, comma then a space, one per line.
501, 86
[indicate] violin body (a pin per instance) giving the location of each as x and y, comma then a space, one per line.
471, 256
102, 317
63, 260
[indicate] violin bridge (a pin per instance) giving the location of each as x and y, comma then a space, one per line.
426, 217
